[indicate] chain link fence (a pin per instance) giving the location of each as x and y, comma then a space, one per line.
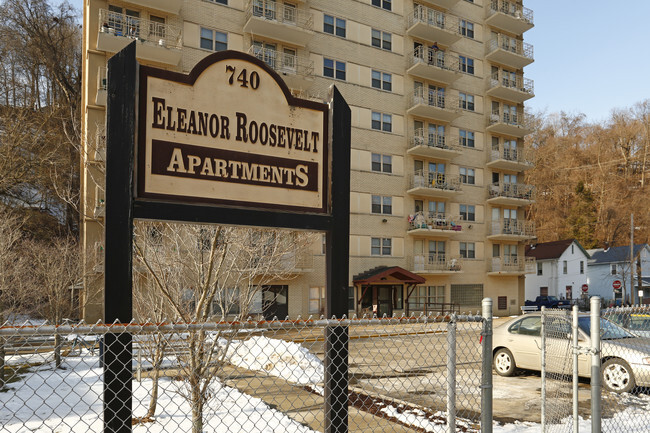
403, 373
596, 366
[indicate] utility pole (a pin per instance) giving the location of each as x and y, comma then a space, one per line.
632, 295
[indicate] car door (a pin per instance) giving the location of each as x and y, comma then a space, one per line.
524, 341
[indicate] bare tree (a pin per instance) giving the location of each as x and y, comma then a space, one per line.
40, 83
212, 273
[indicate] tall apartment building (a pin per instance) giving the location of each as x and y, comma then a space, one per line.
436, 89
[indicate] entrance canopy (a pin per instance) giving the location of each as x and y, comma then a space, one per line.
383, 274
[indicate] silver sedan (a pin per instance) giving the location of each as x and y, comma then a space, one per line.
625, 358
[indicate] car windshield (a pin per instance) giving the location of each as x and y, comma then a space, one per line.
608, 330
552, 298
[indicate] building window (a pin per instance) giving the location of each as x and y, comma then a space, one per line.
613, 268
381, 39
334, 26
539, 268
382, 121
382, 80
382, 204
466, 64
424, 298
466, 101
323, 246
334, 69
385, 4
351, 298
467, 250
582, 266
221, 2
317, 300
467, 29
468, 175
468, 212
382, 163
466, 138
380, 246
502, 302
467, 294
213, 40
565, 267
543, 291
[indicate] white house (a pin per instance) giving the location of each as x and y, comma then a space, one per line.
561, 269
610, 267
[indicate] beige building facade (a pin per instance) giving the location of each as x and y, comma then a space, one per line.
436, 89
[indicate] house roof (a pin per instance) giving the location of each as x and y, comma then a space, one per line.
381, 274
551, 250
615, 254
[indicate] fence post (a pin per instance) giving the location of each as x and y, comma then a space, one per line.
543, 373
576, 349
486, 373
451, 374
595, 365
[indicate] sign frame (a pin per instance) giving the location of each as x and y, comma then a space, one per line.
123, 206
147, 72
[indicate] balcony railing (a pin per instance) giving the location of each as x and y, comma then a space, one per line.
512, 190
513, 264
435, 58
510, 45
516, 82
513, 227
436, 99
441, 181
143, 30
434, 221
284, 63
513, 9
507, 117
420, 137
432, 263
434, 18
281, 13
516, 156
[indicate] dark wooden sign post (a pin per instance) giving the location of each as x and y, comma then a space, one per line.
155, 121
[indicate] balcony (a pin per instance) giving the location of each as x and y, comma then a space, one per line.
434, 224
102, 86
445, 4
169, 6
435, 146
509, 51
508, 123
512, 266
296, 71
157, 42
511, 194
281, 22
434, 65
432, 25
511, 87
434, 105
509, 159
509, 16
435, 264
512, 230
436, 185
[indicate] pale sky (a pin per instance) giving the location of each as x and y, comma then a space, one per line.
590, 55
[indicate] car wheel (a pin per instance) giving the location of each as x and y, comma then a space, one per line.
617, 376
504, 362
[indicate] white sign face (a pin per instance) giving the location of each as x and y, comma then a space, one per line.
231, 133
